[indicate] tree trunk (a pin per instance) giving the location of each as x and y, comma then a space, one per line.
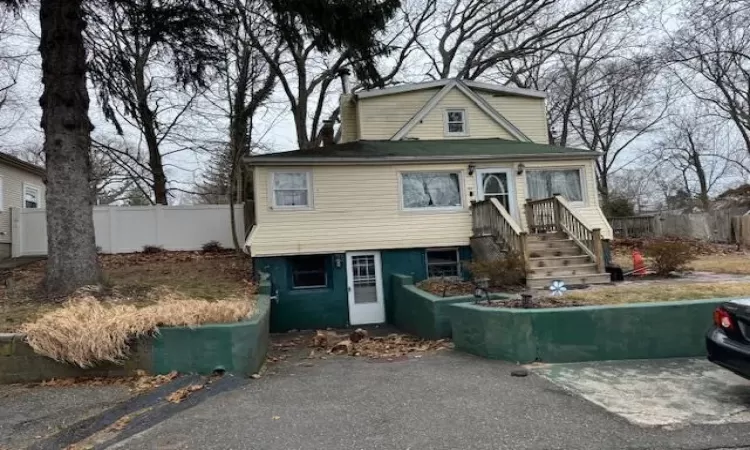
72, 261
148, 127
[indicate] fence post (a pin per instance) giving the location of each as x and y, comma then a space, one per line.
596, 237
159, 222
111, 213
16, 230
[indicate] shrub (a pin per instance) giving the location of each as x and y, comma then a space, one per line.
212, 247
150, 249
669, 256
506, 272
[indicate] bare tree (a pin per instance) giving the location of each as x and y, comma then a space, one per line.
148, 75
619, 104
711, 56
469, 38
308, 74
691, 145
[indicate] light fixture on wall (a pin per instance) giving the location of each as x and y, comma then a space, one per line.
520, 168
471, 168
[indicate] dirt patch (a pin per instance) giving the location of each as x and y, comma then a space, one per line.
535, 303
130, 279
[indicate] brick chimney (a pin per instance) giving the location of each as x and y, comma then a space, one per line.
327, 136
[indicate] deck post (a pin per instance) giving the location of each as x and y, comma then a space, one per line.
523, 240
596, 235
557, 211
529, 209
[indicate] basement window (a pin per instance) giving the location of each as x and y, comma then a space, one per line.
442, 263
309, 271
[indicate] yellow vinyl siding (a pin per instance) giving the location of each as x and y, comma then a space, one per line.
529, 114
479, 124
382, 117
12, 190
356, 208
348, 127
359, 208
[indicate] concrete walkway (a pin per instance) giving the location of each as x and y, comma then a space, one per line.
671, 393
446, 400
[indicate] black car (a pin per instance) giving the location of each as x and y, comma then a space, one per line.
728, 341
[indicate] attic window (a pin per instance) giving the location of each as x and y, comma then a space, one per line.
455, 122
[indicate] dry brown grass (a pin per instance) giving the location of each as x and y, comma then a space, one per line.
657, 292
85, 330
132, 279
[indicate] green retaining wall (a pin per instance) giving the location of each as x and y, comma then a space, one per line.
235, 348
421, 313
587, 333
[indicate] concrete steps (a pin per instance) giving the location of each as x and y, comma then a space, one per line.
558, 261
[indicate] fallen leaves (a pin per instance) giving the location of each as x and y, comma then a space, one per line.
120, 423
138, 383
181, 394
359, 343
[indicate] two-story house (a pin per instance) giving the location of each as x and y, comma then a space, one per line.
420, 175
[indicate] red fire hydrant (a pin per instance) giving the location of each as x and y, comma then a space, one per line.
639, 268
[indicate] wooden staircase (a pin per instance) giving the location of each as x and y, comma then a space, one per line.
554, 256
559, 248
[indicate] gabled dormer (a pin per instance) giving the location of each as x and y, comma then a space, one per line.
444, 109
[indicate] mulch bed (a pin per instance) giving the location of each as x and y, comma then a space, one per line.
453, 288
536, 303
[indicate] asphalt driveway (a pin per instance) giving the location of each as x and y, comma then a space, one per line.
445, 400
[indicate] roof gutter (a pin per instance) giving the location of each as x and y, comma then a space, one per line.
22, 165
322, 161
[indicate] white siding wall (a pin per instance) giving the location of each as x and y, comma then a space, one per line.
125, 229
12, 195
358, 208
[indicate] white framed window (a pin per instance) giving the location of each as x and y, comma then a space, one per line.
455, 122
309, 271
544, 183
31, 196
443, 262
291, 190
431, 191
2, 195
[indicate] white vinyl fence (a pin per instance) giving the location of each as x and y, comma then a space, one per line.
126, 229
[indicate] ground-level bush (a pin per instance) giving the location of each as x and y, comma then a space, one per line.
670, 256
505, 272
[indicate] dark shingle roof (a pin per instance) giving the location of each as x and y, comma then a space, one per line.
422, 150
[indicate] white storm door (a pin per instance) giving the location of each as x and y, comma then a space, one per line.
497, 183
365, 283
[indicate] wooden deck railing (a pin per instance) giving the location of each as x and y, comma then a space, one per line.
555, 214
491, 219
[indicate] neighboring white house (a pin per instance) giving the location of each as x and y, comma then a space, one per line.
21, 186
